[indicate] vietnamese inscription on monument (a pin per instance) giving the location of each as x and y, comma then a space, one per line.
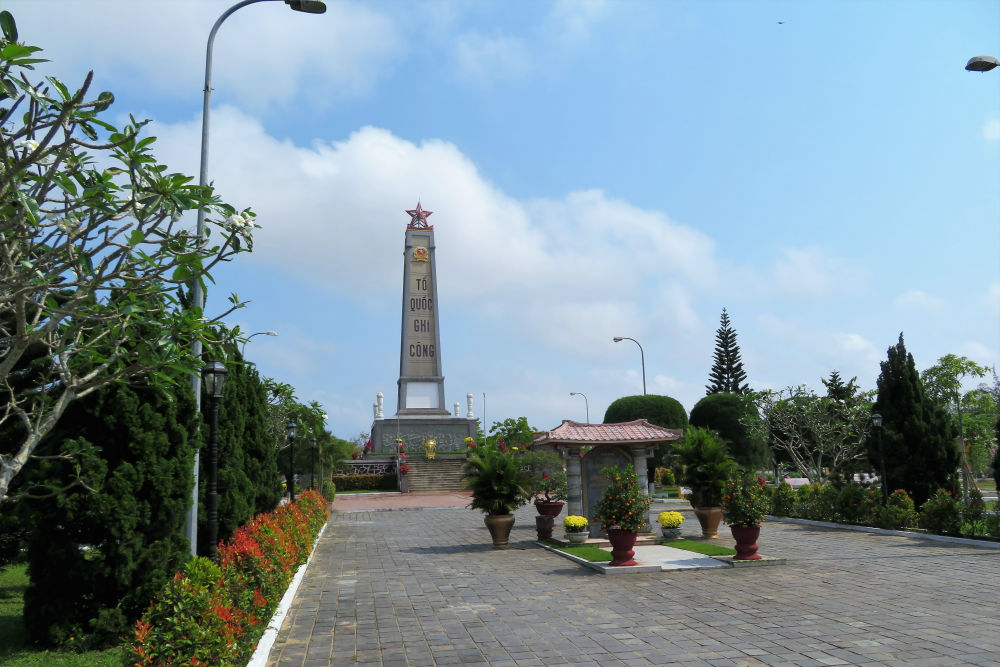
420, 333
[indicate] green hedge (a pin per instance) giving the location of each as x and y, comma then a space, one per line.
365, 482
214, 614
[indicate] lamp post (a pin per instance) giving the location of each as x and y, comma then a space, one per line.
981, 63
312, 480
197, 294
259, 333
586, 403
291, 430
642, 354
877, 423
214, 376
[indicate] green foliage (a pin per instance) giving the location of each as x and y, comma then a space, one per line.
942, 514
917, 434
622, 505
858, 504
745, 501
782, 499
837, 390
729, 415
511, 433
705, 466
212, 614
329, 490
99, 552
659, 410
665, 477
364, 482
973, 512
498, 483
996, 457
899, 512
96, 248
727, 375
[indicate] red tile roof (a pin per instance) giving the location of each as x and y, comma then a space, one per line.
638, 431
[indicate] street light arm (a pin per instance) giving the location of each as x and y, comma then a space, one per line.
642, 356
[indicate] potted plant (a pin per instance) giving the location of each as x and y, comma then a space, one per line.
577, 528
622, 512
670, 524
744, 505
706, 469
499, 486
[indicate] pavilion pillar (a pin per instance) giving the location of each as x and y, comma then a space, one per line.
639, 455
574, 504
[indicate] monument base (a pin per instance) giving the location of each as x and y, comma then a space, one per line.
449, 432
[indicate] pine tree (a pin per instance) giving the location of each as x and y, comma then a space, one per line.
837, 390
727, 374
918, 443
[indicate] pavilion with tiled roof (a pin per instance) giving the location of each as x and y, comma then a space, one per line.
638, 437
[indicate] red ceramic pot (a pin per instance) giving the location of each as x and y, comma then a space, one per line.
622, 542
549, 509
746, 542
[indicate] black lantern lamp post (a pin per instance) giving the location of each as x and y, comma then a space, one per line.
312, 482
877, 423
213, 376
292, 429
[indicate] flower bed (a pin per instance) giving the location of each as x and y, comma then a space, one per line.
214, 614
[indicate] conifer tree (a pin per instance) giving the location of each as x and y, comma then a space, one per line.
837, 390
727, 374
918, 443
102, 548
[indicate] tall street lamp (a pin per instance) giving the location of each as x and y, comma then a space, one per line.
243, 349
877, 423
197, 294
291, 430
214, 376
586, 403
619, 339
312, 480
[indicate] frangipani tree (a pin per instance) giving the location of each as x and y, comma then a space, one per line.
95, 255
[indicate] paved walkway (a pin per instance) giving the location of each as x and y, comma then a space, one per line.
423, 587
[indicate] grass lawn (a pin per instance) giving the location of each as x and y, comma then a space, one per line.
587, 552
701, 547
987, 484
13, 649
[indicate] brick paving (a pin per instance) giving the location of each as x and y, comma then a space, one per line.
423, 587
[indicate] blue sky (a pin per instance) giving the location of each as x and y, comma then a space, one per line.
827, 171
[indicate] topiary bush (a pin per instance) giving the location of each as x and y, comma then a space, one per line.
659, 410
726, 414
941, 514
212, 614
364, 482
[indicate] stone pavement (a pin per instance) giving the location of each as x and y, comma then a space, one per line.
423, 587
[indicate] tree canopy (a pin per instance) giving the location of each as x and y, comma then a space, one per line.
727, 374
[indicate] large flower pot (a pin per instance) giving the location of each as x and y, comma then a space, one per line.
622, 542
709, 518
578, 537
543, 524
499, 525
549, 509
746, 542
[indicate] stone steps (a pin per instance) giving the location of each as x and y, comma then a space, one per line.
440, 474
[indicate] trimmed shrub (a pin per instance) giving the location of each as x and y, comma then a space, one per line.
973, 512
659, 410
724, 414
857, 504
212, 614
782, 499
329, 490
941, 514
364, 482
899, 512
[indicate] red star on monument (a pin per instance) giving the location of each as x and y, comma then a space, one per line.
418, 217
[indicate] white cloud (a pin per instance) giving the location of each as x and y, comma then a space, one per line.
263, 54
813, 272
482, 59
572, 21
920, 301
991, 129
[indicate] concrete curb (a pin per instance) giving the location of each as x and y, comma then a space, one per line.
985, 544
263, 650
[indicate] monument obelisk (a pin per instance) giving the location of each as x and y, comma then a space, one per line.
421, 411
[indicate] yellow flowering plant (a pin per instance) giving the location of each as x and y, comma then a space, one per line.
670, 519
575, 524
745, 501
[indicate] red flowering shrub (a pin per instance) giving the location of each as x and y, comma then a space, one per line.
214, 614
